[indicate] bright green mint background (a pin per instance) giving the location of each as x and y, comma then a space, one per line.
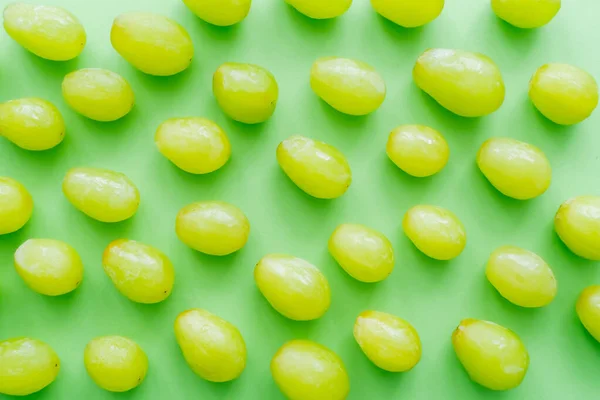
432, 295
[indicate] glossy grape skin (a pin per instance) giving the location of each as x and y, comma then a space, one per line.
350, 86
48, 266
563, 93
317, 168
16, 205
364, 253
101, 194
437, 232
517, 169
26, 366
409, 13
521, 277
196, 145
115, 363
418, 150
213, 348
32, 123
49, 32
577, 223
526, 14
220, 12
213, 227
247, 93
588, 310
98, 94
492, 355
293, 286
305, 370
152, 43
319, 9
140, 272
467, 84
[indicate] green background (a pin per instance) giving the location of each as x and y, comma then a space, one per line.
434, 296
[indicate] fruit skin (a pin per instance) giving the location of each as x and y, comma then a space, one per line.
418, 150
213, 348
521, 276
588, 310
388, 341
49, 32
32, 123
409, 13
49, 266
468, 84
115, 363
26, 366
563, 93
350, 86
526, 14
152, 43
517, 169
212, 227
101, 194
220, 12
577, 223
364, 253
318, 9
305, 370
98, 94
317, 168
492, 355
437, 232
247, 93
140, 272
293, 286
196, 145
16, 205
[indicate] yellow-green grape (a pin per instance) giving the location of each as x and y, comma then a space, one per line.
16, 205
101, 194
418, 150
437, 232
588, 310
521, 276
293, 286
350, 86
317, 168
305, 370
492, 355
48, 266
388, 341
196, 145
577, 223
517, 169
563, 93
468, 84
26, 366
32, 123
409, 13
140, 272
364, 253
526, 13
48, 32
97, 93
212, 227
152, 43
319, 9
220, 12
213, 348
245, 92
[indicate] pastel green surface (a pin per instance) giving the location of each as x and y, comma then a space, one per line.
433, 296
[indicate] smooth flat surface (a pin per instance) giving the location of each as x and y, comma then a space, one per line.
433, 296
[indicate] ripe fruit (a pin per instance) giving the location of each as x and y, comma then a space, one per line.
220, 12
526, 13
577, 223
588, 310
409, 13
319, 9
16, 205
